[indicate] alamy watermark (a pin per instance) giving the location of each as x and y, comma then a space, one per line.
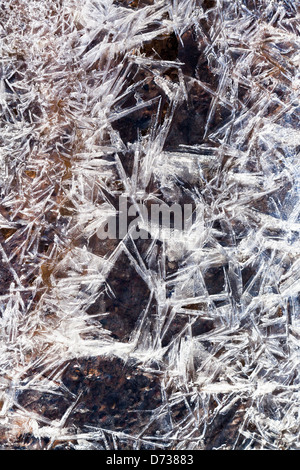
144, 221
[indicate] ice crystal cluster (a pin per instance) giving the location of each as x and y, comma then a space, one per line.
183, 343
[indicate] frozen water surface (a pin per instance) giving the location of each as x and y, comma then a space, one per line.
188, 342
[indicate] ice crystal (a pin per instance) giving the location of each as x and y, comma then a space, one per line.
186, 343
